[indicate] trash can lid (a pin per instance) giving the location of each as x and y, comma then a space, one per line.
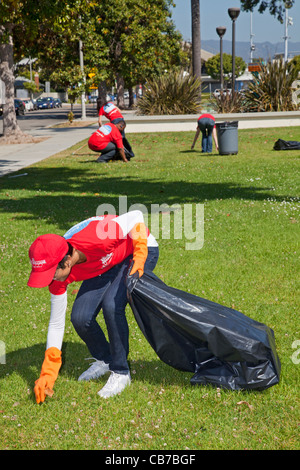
227, 124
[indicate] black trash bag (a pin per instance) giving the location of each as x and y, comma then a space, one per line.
127, 149
286, 145
221, 346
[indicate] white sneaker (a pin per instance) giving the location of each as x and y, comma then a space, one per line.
96, 370
115, 384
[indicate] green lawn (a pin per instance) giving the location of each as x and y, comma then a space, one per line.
249, 261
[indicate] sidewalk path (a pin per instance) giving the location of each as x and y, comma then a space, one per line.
19, 156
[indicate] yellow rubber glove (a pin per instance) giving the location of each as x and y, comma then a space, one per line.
49, 373
140, 249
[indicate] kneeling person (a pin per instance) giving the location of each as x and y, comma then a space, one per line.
108, 141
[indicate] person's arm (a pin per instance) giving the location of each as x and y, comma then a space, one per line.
195, 138
57, 320
118, 140
100, 114
122, 153
215, 138
52, 360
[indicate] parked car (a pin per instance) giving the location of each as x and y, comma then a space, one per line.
29, 106
19, 107
42, 103
50, 101
57, 103
226, 91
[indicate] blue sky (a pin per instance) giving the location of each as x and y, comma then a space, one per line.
215, 13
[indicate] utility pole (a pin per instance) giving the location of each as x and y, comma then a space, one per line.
252, 46
83, 110
287, 22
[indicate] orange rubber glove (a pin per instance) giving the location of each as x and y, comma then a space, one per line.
140, 249
49, 373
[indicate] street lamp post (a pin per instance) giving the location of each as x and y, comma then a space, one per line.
233, 13
287, 22
221, 30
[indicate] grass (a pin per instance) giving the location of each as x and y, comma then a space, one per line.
249, 261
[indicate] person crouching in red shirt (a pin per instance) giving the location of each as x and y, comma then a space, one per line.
109, 142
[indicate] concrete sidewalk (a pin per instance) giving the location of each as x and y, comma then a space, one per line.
19, 156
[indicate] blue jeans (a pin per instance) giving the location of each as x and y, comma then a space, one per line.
109, 293
206, 126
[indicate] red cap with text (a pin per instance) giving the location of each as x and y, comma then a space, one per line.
45, 253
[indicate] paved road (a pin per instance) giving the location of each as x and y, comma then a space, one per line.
49, 117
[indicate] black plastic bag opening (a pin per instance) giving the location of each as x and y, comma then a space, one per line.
221, 346
286, 145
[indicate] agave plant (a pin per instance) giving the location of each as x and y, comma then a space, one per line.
271, 89
171, 93
228, 102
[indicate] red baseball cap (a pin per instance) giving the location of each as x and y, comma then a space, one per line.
45, 253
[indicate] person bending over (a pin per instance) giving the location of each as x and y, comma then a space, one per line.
99, 251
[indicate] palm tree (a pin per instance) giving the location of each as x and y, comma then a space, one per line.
196, 39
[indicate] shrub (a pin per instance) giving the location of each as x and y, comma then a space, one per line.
228, 102
172, 93
271, 89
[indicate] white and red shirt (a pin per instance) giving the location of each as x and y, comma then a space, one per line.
110, 111
106, 241
105, 134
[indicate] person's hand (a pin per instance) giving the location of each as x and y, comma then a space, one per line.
138, 266
140, 249
49, 372
43, 387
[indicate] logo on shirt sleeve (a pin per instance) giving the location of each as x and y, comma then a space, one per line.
105, 129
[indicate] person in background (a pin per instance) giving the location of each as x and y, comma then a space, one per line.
110, 111
206, 124
108, 141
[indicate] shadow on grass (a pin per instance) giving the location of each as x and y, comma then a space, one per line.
65, 195
26, 362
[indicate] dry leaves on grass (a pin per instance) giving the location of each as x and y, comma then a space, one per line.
251, 407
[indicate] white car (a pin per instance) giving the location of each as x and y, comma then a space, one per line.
29, 106
226, 91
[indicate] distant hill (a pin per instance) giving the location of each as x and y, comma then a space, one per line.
266, 50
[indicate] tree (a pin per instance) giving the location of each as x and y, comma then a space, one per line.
140, 39
213, 66
276, 7
22, 22
196, 39
73, 81
31, 87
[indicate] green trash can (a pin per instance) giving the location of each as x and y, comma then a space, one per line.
227, 133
